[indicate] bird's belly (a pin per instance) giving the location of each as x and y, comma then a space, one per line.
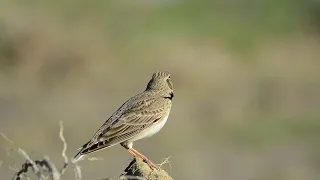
151, 130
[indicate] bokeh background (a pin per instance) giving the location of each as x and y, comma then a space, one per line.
246, 75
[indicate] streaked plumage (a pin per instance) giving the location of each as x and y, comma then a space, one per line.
141, 116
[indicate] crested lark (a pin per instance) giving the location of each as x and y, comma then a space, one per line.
141, 116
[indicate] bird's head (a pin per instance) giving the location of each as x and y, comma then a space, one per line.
161, 81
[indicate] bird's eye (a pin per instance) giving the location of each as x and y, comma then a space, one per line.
169, 83
169, 77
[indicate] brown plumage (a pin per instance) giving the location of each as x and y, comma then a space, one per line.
141, 116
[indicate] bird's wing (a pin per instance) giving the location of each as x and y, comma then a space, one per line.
134, 119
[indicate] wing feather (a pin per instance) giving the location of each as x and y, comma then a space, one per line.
129, 120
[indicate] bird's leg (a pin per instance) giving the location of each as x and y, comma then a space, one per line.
151, 164
135, 153
131, 152
128, 147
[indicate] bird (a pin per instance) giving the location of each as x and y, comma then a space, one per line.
140, 117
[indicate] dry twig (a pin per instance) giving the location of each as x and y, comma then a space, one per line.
29, 163
77, 172
65, 157
41, 167
137, 169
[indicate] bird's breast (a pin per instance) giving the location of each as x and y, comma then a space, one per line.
156, 127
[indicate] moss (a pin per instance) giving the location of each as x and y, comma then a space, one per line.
138, 169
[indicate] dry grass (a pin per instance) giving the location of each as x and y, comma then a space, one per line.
46, 169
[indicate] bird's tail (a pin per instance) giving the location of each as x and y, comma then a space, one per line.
80, 154
77, 157
89, 148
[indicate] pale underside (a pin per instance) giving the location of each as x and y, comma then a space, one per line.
148, 132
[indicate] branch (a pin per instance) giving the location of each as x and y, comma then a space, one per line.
29, 163
44, 166
65, 157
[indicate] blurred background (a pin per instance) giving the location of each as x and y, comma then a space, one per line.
246, 75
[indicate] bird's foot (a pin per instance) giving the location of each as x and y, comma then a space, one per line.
151, 164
